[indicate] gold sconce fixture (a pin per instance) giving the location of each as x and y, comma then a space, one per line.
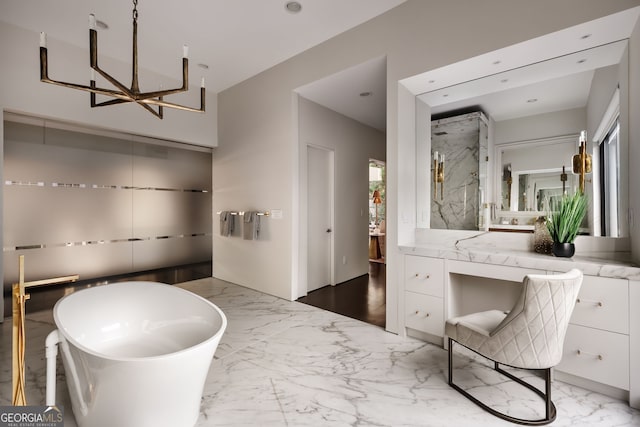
582, 161
19, 298
123, 94
438, 175
508, 178
563, 178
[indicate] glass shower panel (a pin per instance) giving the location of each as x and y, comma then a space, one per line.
170, 213
90, 261
47, 215
76, 202
61, 156
171, 167
158, 253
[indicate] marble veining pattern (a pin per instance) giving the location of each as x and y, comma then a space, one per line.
283, 363
458, 139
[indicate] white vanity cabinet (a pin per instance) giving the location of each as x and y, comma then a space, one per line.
424, 294
596, 346
602, 344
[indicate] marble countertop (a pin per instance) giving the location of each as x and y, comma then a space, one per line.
604, 264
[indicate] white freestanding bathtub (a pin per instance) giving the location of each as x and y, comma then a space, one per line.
134, 353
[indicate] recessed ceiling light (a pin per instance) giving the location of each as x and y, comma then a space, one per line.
293, 6
102, 25
445, 95
497, 62
586, 36
582, 61
365, 94
532, 100
504, 80
431, 81
203, 66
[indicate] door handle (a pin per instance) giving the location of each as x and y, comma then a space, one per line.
328, 230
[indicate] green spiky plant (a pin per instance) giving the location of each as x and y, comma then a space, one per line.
564, 222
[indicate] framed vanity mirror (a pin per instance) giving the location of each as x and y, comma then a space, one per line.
534, 116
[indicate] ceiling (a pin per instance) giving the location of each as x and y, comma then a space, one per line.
359, 92
237, 39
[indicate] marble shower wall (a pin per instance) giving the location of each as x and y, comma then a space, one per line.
463, 141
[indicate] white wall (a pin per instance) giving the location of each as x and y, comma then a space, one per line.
257, 130
353, 144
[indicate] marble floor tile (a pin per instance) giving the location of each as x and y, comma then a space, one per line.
284, 363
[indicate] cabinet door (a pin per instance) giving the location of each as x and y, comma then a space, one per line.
603, 303
596, 355
424, 275
424, 313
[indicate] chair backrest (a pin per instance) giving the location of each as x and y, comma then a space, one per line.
538, 321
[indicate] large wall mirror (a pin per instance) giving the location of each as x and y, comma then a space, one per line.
535, 114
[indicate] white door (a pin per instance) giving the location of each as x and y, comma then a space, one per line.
319, 217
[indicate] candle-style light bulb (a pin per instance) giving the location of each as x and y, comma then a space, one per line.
435, 155
43, 39
92, 21
441, 158
93, 75
202, 82
185, 51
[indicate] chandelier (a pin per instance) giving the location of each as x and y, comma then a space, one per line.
148, 100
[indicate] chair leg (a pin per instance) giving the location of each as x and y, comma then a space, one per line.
550, 408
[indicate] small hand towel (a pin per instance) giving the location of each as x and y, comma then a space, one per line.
251, 226
226, 223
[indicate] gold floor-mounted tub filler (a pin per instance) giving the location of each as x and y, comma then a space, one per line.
19, 298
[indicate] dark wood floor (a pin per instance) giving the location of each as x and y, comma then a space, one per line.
362, 298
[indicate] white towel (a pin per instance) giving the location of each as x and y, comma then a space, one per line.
251, 226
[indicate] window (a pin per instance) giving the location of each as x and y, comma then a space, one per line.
610, 181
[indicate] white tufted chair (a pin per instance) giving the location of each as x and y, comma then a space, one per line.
530, 336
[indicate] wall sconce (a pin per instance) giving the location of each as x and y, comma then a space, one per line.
377, 200
582, 160
438, 175
563, 178
508, 178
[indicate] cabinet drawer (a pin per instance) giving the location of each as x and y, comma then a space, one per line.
603, 303
424, 275
424, 313
596, 355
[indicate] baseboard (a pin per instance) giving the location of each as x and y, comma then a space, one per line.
605, 389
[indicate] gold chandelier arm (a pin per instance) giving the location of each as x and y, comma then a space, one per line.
161, 103
159, 93
125, 93
99, 91
44, 77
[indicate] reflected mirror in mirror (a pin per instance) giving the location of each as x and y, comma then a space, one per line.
535, 115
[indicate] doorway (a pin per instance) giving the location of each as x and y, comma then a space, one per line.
320, 207
377, 211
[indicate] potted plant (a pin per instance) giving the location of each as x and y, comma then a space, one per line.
564, 223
